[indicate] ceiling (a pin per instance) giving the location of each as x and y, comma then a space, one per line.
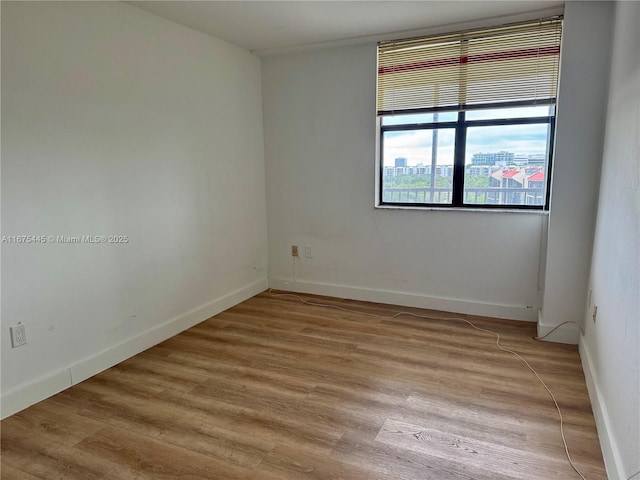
274, 26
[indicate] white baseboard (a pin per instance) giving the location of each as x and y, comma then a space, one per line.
26, 395
567, 333
513, 312
610, 452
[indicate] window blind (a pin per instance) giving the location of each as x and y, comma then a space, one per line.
481, 67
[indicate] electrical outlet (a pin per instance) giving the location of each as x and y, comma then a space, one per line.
595, 313
18, 335
308, 252
294, 250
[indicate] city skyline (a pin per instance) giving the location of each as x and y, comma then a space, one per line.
416, 145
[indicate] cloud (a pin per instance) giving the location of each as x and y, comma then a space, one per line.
415, 146
519, 139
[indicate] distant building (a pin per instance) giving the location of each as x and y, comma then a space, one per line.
420, 169
496, 158
511, 178
401, 162
537, 159
520, 159
444, 170
536, 180
528, 185
480, 170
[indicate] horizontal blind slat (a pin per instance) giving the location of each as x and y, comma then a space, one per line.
502, 64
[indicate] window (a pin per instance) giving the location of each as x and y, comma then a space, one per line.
467, 119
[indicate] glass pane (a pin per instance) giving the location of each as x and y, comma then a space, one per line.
409, 157
507, 113
506, 165
420, 118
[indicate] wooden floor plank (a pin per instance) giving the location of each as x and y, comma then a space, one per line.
276, 389
154, 458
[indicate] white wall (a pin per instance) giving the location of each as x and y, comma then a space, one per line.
115, 121
582, 102
319, 110
611, 347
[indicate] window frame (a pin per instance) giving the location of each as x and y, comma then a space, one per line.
461, 125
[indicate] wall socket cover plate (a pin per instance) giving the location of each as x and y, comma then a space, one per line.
18, 335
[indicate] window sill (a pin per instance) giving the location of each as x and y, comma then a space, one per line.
463, 209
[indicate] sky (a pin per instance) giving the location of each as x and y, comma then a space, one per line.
415, 145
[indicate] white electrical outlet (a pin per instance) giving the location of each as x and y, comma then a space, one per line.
18, 335
308, 252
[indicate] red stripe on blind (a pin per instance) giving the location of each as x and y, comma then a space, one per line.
481, 57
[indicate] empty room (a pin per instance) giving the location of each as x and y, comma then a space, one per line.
320, 240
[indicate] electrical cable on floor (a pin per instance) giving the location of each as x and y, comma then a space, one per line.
557, 327
634, 475
435, 317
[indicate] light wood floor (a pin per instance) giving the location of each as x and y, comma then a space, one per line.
274, 389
